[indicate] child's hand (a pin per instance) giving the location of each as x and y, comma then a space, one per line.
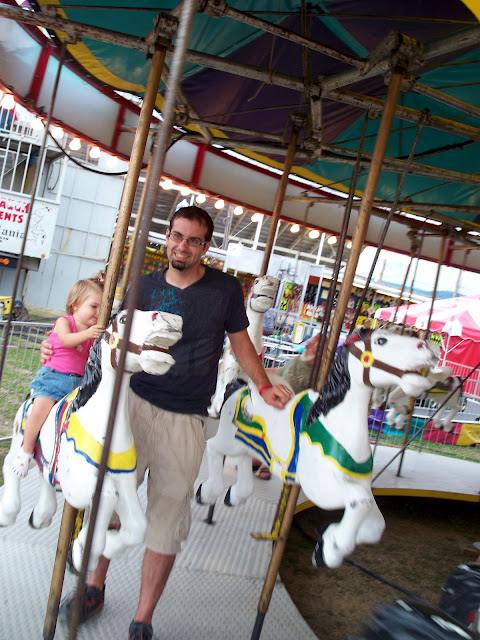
94, 331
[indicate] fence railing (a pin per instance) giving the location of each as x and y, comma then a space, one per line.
22, 361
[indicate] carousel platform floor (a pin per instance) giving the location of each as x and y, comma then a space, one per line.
216, 583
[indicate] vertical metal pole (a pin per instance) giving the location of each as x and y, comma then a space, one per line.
357, 243
131, 181
289, 495
363, 219
113, 269
280, 196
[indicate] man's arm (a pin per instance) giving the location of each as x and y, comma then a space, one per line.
277, 395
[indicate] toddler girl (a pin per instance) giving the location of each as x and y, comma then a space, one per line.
72, 336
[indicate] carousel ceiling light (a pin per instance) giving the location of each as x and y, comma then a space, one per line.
348, 244
238, 210
184, 191
295, 228
75, 144
314, 234
8, 101
167, 184
332, 240
94, 152
219, 204
256, 217
201, 198
37, 124
57, 132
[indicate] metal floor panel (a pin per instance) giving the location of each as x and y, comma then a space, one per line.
212, 593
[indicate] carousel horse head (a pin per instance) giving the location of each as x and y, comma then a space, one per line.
263, 292
320, 440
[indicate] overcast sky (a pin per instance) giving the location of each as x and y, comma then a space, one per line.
391, 268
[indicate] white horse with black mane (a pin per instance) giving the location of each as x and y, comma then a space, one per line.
444, 393
70, 444
320, 440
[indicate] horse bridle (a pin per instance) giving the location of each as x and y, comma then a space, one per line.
368, 361
115, 342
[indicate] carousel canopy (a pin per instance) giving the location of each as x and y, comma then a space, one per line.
254, 66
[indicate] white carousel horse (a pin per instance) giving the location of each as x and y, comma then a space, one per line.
445, 390
260, 299
70, 444
320, 440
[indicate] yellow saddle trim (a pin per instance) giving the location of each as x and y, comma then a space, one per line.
88, 446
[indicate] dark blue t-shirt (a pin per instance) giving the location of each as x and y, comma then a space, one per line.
209, 307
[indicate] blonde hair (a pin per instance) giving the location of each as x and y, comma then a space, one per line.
80, 292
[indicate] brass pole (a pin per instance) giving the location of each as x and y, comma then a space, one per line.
280, 196
113, 269
131, 181
131, 246
340, 309
361, 226
63, 544
289, 497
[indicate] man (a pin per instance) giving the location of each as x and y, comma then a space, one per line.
167, 412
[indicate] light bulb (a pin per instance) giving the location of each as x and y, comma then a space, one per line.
57, 132
8, 101
349, 244
295, 228
94, 152
238, 210
314, 234
256, 217
201, 198
332, 240
112, 162
37, 124
184, 191
75, 144
219, 204
167, 184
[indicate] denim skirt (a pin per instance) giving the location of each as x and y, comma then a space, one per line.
49, 383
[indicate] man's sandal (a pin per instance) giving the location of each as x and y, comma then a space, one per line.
139, 631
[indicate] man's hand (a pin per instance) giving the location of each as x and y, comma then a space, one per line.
46, 349
277, 396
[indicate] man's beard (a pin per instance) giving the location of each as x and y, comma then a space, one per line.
177, 264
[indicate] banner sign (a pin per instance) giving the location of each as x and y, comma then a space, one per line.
14, 212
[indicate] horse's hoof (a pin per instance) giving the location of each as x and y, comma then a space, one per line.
42, 525
317, 555
227, 501
70, 565
198, 495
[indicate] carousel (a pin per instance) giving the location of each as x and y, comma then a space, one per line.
363, 125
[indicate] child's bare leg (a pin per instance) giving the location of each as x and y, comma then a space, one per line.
41, 407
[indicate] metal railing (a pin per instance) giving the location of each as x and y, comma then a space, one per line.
21, 365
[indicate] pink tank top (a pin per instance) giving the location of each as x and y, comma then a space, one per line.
68, 359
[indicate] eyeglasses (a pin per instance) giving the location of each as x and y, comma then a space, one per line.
192, 242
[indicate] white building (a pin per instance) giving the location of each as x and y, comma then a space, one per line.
71, 237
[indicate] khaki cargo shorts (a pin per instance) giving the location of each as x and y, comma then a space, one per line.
170, 447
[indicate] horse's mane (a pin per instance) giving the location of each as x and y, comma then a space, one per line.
91, 378
335, 388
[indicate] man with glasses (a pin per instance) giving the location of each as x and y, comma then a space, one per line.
167, 413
